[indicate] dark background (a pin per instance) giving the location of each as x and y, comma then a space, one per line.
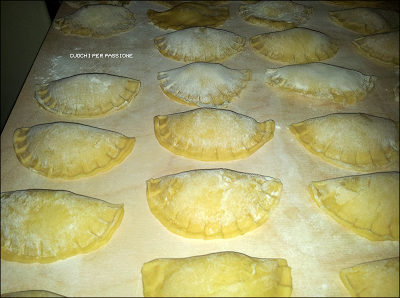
24, 25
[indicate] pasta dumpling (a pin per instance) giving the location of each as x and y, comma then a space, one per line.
321, 80
225, 274
86, 95
295, 46
203, 84
211, 204
70, 150
373, 279
366, 20
97, 21
200, 44
44, 226
352, 141
212, 134
367, 204
383, 47
188, 15
276, 14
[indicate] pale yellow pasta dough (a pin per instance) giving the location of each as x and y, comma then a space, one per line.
97, 21
277, 14
212, 134
187, 15
203, 84
295, 46
367, 204
200, 44
366, 20
31, 293
353, 141
323, 81
70, 150
211, 204
373, 279
222, 274
45, 226
87, 95
382, 47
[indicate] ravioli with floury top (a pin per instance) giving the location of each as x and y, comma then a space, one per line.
87, 95
383, 47
97, 21
277, 14
45, 226
352, 141
322, 81
212, 204
200, 44
212, 134
295, 46
203, 84
366, 20
70, 150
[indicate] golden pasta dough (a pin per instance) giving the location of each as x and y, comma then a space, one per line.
367, 204
366, 20
383, 47
188, 15
211, 204
373, 279
295, 46
212, 134
87, 95
203, 84
97, 21
45, 226
277, 14
322, 81
226, 274
70, 150
200, 44
353, 141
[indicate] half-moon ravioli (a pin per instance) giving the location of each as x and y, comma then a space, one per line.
295, 46
211, 204
45, 226
366, 20
87, 95
97, 21
188, 15
321, 80
203, 84
212, 134
223, 274
382, 47
373, 279
367, 204
200, 44
353, 141
70, 150
277, 14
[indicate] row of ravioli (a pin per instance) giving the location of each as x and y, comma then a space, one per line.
264, 132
